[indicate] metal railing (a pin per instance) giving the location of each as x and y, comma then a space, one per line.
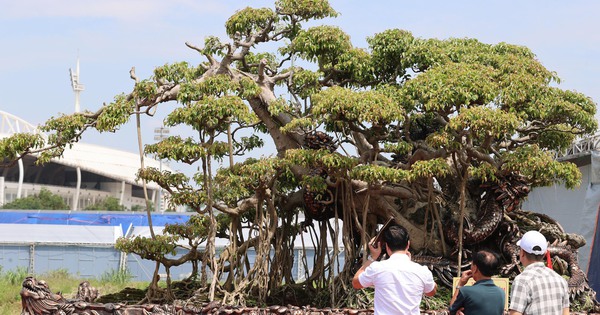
580, 147
10, 124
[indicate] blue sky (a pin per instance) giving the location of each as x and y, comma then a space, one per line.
41, 40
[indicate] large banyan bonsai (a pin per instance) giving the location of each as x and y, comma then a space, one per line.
428, 131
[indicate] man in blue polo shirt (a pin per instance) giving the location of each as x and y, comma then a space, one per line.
483, 297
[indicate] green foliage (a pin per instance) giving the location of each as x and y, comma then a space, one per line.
315, 184
541, 167
354, 67
249, 20
213, 46
186, 150
388, 50
194, 199
452, 86
66, 130
44, 200
10, 286
331, 162
305, 123
115, 114
58, 273
141, 208
305, 9
305, 83
484, 172
147, 248
322, 43
231, 185
19, 142
177, 73
253, 59
196, 229
375, 174
15, 277
164, 178
429, 168
115, 276
108, 203
486, 122
211, 113
69, 125
280, 105
249, 143
243, 179
372, 107
398, 148
248, 88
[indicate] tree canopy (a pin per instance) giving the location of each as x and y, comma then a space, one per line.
407, 127
44, 200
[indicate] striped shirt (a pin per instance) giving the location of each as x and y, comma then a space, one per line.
539, 290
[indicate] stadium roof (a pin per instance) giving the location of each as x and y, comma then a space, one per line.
111, 163
116, 164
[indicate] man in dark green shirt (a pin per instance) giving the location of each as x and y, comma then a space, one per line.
483, 297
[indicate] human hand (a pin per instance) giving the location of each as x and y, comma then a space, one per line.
374, 248
460, 311
464, 278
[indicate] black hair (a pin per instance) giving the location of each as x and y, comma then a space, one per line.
487, 262
396, 238
534, 257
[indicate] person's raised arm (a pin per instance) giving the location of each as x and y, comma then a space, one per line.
375, 252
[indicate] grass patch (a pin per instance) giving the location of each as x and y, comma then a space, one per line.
116, 276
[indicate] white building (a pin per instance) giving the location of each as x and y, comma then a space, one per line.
84, 174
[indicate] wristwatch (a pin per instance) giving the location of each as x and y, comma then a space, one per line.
370, 258
458, 287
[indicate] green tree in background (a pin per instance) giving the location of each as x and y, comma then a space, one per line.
108, 203
406, 127
141, 208
45, 200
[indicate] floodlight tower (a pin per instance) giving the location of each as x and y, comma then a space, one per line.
77, 87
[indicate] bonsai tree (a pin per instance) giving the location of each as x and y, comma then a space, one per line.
429, 131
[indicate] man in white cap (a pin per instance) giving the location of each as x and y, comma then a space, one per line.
538, 289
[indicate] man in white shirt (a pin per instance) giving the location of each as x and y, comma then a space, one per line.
399, 283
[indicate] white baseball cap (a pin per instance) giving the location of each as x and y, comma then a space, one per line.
533, 242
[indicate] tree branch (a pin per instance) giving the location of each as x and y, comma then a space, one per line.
210, 58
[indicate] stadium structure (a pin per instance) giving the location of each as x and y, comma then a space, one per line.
82, 176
